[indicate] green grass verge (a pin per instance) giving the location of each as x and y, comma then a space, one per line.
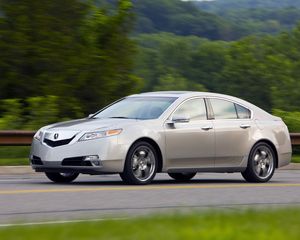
249, 225
14, 161
14, 156
296, 159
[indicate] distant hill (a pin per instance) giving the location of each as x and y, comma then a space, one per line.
223, 5
215, 20
181, 18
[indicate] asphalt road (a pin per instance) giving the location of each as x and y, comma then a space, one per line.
32, 198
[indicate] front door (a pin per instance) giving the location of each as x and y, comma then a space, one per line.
190, 144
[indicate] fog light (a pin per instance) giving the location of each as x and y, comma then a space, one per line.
93, 159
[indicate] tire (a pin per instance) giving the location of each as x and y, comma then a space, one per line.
261, 164
140, 164
61, 177
182, 177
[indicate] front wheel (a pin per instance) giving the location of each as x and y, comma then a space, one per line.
261, 164
61, 177
182, 177
140, 165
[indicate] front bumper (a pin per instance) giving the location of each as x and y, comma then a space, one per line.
44, 158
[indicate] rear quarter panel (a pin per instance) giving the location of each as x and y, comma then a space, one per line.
276, 132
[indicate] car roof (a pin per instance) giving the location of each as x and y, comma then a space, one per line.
183, 94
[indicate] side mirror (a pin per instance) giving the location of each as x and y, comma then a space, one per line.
90, 115
180, 119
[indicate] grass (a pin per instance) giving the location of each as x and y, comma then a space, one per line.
246, 225
13, 156
14, 161
296, 159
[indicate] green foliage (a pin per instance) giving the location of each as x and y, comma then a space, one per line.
45, 110
42, 110
175, 82
12, 117
108, 56
35, 112
261, 69
61, 60
71, 49
291, 119
261, 224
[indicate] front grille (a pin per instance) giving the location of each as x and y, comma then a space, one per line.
57, 143
75, 161
36, 160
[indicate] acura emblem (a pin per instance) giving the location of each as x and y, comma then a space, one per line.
55, 135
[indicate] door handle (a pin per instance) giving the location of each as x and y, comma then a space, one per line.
244, 126
206, 128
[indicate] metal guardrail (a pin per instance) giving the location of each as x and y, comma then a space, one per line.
24, 138
295, 138
16, 138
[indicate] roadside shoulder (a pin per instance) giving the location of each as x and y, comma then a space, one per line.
4, 170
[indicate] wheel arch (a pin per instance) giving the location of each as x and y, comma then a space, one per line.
272, 145
157, 148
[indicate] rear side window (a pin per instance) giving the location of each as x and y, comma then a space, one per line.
243, 113
223, 109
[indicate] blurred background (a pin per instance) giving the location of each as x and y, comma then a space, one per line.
65, 59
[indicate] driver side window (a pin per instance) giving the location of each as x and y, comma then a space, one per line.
194, 109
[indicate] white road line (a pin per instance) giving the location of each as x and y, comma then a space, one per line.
59, 222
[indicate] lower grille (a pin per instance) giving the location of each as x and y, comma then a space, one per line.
75, 161
36, 160
57, 143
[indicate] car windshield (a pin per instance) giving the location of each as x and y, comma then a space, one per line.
136, 108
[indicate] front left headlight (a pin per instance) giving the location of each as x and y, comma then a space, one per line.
38, 135
100, 134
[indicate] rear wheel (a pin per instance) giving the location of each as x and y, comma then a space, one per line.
140, 165
61, 177
261, 164
182, 177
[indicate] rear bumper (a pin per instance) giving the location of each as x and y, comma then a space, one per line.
284, 159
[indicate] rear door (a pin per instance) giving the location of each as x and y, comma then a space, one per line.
233, 126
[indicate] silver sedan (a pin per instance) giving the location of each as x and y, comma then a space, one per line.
179, 133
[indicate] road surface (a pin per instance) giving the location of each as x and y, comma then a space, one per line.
32, 198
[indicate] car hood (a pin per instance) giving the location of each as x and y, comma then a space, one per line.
88, 124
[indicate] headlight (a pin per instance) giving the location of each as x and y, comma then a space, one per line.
100, 134
38, 135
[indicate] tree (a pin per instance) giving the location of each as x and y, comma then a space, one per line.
176, 82
72, 49
109, 57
